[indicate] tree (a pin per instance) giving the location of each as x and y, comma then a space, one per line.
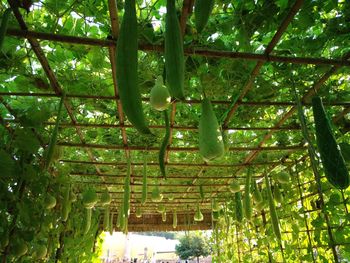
167, 235
192, 247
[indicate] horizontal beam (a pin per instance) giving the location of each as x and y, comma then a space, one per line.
186, 101
116, 202
121, 183
195, 191
169, 176
188, 51
176, 194
175, 127
177, 149
154, 222
208, 165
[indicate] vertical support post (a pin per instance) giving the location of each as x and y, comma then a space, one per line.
302, 204
238, 245
268, 246
250, 246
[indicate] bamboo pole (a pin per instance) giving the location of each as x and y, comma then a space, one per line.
179, 164
192, 101
178, 149
198, 51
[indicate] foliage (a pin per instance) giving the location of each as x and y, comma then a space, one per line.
320, 30
192, 246
25, 183
254, 240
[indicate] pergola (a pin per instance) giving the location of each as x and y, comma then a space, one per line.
256, 128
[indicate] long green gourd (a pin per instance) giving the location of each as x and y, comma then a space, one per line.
277, 194
87, 221
215, 215
174, 53
272, 208
202, 11
238, 205
144, 182
215, 205
211, 145
225, 140
110, 226
126, 61
310, 146
164, 144
106, 221
66, 204
164, 216
126, 228
333, 162
201, 192
247, 201
119, 217
122, 218
4, 25
256, 192
54, 135
127, 189
174, 219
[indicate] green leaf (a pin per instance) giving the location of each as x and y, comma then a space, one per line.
6, 164
33, 116
26, 141
282, 4
334, 199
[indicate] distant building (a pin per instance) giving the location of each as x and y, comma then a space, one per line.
121, 248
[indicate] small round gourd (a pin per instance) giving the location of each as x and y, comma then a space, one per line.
235, 186
50, 201
138, 212
19, 249
198, 216
89, 198
282, 177
160, 96
156, 195
39, 252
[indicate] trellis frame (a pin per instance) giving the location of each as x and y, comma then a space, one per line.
32, 37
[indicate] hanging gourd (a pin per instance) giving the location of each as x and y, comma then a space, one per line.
174, 53
127, 76
332, 159
211, 145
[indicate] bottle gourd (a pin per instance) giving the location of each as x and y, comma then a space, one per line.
211, 145
126, 61
174, 53
333, 162
202, 11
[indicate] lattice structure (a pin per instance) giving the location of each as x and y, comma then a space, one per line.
255, 105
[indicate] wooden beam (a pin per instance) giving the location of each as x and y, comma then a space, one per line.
188, 165
198, 51
154, 222
179, 149
186, 101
